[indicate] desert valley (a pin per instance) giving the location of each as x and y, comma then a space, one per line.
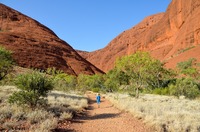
148, 76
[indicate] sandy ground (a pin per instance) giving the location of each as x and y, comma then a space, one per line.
106, 119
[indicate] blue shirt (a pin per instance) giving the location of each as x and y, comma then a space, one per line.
98, 98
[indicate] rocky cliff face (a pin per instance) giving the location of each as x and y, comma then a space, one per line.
35, 46
172, 37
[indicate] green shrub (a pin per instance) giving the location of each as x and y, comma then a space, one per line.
65, 82
34, 87
161, 91
8, 79
185, 87
6, 62
53, 71
88, 82
96, 90
189, 68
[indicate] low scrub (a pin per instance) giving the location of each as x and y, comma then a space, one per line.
33, 88
61, 107
163, 113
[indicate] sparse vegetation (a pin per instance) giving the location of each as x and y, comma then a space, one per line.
131, 75
53, 71
186, 49
61, 107
189, 68
164, 113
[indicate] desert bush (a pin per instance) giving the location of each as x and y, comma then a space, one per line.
47, 125
185, 87
5, 113
61, 106
189, 68
13, 113
53, 71
161, 91
38, 115
88, 82
6, 62
65, 82
66, 116
34, 87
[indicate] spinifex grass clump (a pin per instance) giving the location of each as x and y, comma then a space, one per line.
33, 88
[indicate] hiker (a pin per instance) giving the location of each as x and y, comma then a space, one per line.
98, 98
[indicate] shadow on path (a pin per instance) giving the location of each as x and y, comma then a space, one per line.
102, 116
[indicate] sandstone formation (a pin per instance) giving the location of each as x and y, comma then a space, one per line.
35, 46
172, 37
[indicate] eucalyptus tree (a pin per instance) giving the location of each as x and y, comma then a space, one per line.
143, 71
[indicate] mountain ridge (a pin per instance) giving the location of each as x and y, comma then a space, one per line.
36, 46
163, 35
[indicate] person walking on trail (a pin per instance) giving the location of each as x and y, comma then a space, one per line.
98, 98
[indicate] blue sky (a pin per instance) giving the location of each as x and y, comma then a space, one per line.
88, 25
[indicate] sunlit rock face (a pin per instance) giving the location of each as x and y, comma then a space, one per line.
36, 46
171, 37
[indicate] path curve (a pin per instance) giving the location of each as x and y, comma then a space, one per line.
106, 119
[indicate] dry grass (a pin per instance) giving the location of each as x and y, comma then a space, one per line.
66, 116
162, 112
61, 107
45, 126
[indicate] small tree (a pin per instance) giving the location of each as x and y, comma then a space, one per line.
143, 70
6, 62
33, 88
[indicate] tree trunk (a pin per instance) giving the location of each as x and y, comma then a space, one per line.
137, 92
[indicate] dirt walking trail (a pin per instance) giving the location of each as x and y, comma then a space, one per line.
106, 119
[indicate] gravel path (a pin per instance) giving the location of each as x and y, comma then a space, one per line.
106, 119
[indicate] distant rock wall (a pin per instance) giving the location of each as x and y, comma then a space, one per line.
171, 37
36, 46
